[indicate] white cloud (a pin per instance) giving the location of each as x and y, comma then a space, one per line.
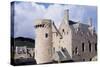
27, 12
55, 12
76, 13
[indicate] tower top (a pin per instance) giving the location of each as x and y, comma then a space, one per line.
42, 21
66, 14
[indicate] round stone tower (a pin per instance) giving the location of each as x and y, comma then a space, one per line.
43, 41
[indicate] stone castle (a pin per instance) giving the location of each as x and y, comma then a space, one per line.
72, 41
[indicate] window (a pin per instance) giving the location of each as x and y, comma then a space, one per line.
63, 31
40, 25
46, 35
83, 47
76, 50
67, 32
53, 50
95, 46
89, 46
83, 59
90, 59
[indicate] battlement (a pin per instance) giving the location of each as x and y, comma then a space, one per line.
42, 23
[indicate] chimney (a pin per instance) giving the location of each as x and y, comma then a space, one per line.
91, 28
90, 21
66, 14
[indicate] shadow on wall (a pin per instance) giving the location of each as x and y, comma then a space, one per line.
63, 55
66, 54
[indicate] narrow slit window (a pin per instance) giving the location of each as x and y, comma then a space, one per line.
46, 35
76, 50
89, 46
95, 46
83, 47
63, 31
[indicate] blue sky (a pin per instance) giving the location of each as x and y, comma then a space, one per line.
25, 14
